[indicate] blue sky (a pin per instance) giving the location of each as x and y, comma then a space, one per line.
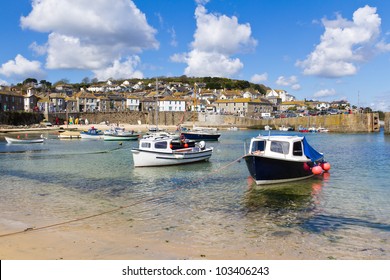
323, 50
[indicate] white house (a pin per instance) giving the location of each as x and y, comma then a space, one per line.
132, 103
172, 104
279, 93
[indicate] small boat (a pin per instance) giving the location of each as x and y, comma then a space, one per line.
69, 134
283, 158
302, 129
121, 137
322, 130
163, 150
201, 135
119, 134
11, 140
92, 133
286, 128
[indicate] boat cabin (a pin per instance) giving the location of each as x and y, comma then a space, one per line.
164, 144
278, 147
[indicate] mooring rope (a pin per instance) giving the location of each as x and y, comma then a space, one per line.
124, 206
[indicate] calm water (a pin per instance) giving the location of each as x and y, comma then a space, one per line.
345, 214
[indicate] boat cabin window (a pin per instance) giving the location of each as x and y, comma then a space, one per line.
297, 149
280, 147
161, 145
258, 146
145, 145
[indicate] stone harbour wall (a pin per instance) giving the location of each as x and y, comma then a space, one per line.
387, 123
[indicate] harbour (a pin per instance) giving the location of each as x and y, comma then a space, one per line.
77, 199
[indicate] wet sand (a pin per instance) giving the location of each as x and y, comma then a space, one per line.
87, 242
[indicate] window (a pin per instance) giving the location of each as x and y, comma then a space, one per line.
258, 146
280, 147
297, 149
161, 145
145, 145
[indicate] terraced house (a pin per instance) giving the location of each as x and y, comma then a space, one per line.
243, 106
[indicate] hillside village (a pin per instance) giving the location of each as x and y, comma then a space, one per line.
170, 96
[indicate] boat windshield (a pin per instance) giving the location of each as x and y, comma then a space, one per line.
280, 147
161, 145
258, 146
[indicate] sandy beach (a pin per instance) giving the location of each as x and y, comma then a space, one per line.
86, 241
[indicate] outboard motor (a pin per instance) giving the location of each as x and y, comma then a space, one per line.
201, 145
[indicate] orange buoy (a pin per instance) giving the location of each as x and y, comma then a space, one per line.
326, 166
185, 145
171, 146
317, 170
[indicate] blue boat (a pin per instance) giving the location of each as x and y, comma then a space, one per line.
279, 159
201, 135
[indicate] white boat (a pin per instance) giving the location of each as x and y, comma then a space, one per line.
119, 134
11, 140
68, 134
280, 159
92, 133
322, 129
121, 137
286, 128
163, 150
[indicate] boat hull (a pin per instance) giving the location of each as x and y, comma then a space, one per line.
91, 137
266, 170
143, 158
23, 141
201, 136
120, 138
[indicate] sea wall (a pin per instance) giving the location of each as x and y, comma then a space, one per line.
335, 123
350, 123
387, 123
20, 118
148, 118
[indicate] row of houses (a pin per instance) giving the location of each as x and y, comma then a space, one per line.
163, 98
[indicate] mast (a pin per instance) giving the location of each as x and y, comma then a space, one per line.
156, 108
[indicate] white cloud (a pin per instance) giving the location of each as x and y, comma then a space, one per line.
383, 47
38, 49
211, 64
120, 70
3, 83
381, 102
258, 78
217, 38
172, 32
21, 68
90, 36
325, 93
291, 81
344, 44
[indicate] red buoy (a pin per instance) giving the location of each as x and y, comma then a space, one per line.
326, 166
317, 170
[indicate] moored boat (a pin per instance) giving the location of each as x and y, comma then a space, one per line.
279, 159
92, 133
201, 135
69, 134
11, 140
162, 151
119, 134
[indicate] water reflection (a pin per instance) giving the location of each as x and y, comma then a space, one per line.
284, 204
